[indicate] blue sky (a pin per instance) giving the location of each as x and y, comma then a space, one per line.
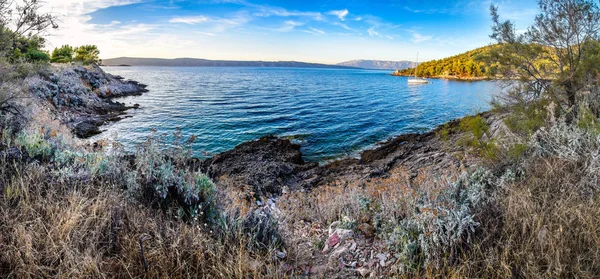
327, 31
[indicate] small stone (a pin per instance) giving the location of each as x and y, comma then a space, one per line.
353, 246
363, 271
259, 203
334, 259
281, 255
382, 258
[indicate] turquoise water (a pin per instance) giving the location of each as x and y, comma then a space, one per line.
332, 113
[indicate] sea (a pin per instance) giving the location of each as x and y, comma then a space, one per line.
331, 113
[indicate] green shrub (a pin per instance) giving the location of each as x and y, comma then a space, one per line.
441, 223
587, 120
527, 119
444, 132
475, 129
163, 175
35, 145
34, 55
63, 54
517, 151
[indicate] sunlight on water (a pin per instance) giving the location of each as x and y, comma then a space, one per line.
331, 113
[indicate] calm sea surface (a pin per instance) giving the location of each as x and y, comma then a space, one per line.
331, 113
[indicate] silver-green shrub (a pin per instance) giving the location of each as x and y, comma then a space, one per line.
440, 225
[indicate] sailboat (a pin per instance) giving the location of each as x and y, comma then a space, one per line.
416, 79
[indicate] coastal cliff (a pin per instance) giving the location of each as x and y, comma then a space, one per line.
82, 96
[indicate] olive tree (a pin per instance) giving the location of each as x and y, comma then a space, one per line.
549, 59
22, 19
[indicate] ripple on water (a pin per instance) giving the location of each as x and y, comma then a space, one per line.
331, 113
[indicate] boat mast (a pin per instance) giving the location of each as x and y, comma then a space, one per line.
417, 66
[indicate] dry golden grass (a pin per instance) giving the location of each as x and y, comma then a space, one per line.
547, 229
94, 231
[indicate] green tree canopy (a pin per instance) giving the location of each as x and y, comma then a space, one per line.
22, 26
466, 65
87, 54
550, 58
63, 54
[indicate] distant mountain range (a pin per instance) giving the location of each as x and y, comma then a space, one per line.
193, 62
378, 64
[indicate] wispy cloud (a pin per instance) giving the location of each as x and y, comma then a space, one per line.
314, 31
267, 11
343, 25
341, 14
288, 26
373, 33
189, 20
217, 24
206, 34
418, 38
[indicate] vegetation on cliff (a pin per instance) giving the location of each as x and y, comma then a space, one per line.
471, 64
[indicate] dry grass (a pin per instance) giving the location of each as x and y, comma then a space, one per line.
68, 213
84, 231
547, 230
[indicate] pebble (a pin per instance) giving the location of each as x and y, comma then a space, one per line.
382, 258
363, 271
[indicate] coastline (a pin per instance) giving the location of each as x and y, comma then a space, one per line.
83, 96
452, 77
272, 162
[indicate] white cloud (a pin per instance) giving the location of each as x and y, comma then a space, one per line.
373, 33
343, 26
315, 31
341, 14
288, 26
217, 24
266, 11
189, 20
418, 38
206, 33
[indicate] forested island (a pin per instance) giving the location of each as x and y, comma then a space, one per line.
474, 64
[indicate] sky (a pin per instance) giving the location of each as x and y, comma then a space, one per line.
325, 31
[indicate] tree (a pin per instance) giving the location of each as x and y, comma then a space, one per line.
548, 57
63, 54
36, 55
87, 54
26, 21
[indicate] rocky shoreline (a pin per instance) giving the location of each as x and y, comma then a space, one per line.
83, 96
271, 164
450, 77
306, 202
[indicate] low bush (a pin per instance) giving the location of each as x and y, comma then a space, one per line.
476, 137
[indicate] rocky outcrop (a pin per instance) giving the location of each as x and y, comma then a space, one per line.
270, 163
82, 95
266, 164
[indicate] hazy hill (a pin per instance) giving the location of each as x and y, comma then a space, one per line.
378, 64
193, 62
470, 64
